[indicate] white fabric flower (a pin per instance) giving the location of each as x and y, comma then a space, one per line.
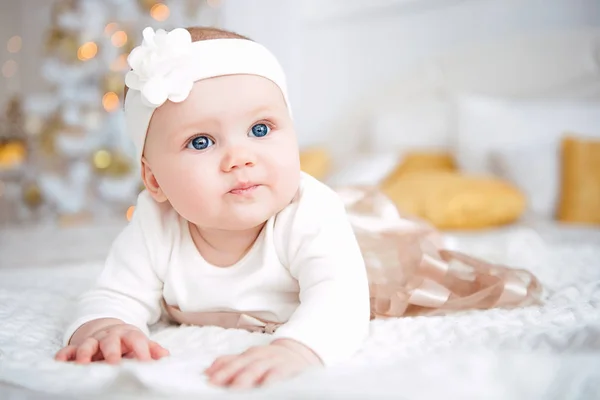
154, 66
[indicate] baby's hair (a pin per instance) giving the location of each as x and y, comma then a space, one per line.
207, 33
200, 33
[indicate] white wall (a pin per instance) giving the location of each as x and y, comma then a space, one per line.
29, 19
337, 54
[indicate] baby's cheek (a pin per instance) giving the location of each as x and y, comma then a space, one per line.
288, 160
288, 180
193, 192
198, 207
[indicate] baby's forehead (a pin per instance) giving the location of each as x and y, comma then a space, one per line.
224, 99
242, 93
235, 84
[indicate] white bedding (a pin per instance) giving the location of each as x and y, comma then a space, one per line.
549, 352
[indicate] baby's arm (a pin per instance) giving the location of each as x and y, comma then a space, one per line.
113, 316
333, 317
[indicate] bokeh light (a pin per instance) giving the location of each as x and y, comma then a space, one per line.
87, 51
160, 12
102, 159
119, 38
130, 211
110, 101
14, 44
110, 28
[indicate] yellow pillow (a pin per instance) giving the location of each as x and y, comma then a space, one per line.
421, 161
316, 162
580, 181
452, 201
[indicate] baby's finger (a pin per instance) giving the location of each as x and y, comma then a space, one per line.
157, 351
86, 350
275, 375
252, 375
219, 363
66, 353
111, 348
137, 342
227, 372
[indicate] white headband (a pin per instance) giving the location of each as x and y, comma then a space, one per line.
166, 65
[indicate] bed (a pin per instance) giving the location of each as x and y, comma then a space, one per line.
543, 352
547, 352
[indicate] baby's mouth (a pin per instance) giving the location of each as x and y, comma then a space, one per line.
244, 189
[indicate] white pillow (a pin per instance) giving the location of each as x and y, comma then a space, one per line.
519, 139
364, 170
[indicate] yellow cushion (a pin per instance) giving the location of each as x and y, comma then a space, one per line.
580, 181
315, 161
421, 161
452, 201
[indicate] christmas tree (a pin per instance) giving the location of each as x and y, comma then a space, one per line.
13, 156
80, 166
12, 136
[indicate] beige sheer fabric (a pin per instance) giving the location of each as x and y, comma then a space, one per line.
411, 274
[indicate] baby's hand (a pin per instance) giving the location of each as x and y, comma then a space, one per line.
280, 360
111, 343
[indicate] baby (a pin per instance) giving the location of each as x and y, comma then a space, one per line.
229, 231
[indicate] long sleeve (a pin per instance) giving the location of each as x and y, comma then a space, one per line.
128, 288
333, 316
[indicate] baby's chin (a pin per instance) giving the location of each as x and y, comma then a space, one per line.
236, 220
233, 225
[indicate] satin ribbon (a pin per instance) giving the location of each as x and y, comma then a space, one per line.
228, 320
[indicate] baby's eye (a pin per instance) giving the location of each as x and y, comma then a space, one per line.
200, 143
259, 130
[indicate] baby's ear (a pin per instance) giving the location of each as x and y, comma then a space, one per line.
151, 183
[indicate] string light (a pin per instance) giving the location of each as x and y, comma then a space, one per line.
130, 211
14, 44
160, 12
102, 159
110, 28
119, 38
110, 101
87, 51
9, 68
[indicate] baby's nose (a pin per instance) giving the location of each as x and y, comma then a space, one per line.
238, 157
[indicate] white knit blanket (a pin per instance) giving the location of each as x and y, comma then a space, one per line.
546, 352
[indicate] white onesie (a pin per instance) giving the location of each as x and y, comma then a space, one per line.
305, 271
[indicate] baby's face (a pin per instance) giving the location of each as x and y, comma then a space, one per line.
227, 157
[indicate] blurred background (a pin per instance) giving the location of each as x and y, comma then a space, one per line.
497, 100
